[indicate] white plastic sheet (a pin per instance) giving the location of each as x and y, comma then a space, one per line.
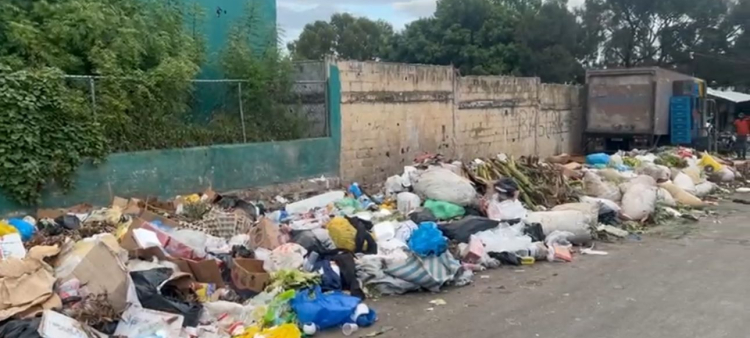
319, 201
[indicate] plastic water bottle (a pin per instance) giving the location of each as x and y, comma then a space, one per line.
355, 190
310, 262
366, 202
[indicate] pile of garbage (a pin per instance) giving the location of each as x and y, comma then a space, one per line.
209, 265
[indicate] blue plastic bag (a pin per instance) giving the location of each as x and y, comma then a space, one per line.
25, 229
598, 158
324, 310
428, 240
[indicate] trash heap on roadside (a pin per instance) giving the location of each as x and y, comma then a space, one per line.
209, 265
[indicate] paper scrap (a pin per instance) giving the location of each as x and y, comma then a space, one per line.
11, 246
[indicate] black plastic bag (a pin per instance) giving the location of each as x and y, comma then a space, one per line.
363, 236
147, 287
424, 215
233, 202
462, 229
20, 328
535, 231
69, 222
506, 258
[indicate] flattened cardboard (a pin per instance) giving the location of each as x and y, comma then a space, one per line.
129, 206
99, 269
26, 285
150, 217
248, 274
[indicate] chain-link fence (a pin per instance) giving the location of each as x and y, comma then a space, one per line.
140, 114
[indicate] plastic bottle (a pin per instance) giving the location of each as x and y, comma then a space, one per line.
229, 325
366, 202
355, 190
528, 260
310, 262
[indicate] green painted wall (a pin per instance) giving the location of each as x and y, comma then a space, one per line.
166, 173
220, 16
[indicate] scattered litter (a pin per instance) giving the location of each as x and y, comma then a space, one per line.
591, 251
210, 265
379, 332
438, 301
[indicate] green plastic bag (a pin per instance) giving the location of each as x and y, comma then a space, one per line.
444, 210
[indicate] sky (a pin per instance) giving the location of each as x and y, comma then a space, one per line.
293, 15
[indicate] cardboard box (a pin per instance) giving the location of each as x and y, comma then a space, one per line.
141, 221
248, 274
129, 206
97, 266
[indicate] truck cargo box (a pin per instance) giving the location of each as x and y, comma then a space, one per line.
631, 101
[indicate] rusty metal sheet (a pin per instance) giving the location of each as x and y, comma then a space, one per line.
620, 108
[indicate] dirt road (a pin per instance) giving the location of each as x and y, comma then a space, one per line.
697, 285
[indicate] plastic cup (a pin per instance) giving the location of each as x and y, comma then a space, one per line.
349, 328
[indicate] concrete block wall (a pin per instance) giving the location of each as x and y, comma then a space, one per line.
496, 115
391, 113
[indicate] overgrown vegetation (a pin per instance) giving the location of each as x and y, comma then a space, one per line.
144, 58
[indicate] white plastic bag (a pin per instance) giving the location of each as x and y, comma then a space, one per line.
659, 173
289, 256
684, 182
590, 210
705, 188
407, 202
566, 220
384, 231
504, 239
639, 201
506, 210
681, 196
595, 187
604, 205
726, 174
393, 185
444, 185
665, 198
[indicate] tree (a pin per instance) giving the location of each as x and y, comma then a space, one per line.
649, 32
345, 36
511, 37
